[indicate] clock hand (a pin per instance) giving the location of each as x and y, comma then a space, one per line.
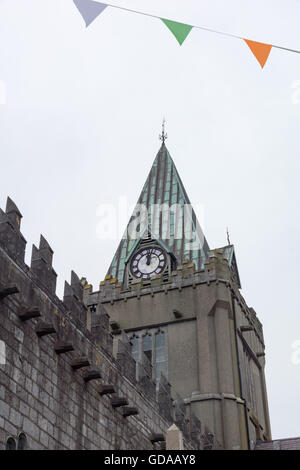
150, 256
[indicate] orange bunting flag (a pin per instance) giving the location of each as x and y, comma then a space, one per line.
260, 50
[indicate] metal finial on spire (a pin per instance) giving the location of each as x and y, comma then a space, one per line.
163, 136
228, 239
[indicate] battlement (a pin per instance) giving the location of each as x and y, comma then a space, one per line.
217, 269
184, 276
11, 237
63, 386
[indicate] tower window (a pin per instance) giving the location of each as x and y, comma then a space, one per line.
154, 346
160, 355
22, 442
135, 348
147, 346
10, 444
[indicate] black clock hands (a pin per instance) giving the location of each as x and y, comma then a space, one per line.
149, 256
148, 262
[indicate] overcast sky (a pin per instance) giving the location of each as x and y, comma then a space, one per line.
79, 127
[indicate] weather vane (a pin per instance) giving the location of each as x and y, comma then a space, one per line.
163, 136
228, 239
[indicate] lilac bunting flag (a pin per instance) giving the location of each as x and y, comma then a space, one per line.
89, 9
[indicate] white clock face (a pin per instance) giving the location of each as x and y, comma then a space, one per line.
148, 262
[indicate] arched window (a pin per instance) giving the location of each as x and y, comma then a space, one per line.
160, 355
147, 346
22, 442
135, 348
154, 345
10, 444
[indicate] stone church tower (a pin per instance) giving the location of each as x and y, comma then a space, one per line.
180, 303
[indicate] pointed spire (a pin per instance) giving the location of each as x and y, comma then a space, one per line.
175, 228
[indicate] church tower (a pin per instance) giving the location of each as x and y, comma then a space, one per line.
180, 303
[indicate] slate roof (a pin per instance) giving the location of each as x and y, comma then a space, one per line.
279, 444
164, 186
230, 254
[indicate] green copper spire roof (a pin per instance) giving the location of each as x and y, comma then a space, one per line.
174, 229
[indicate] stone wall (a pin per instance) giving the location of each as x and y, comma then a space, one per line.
61, 385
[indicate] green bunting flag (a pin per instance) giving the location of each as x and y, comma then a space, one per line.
180, 30
91, 9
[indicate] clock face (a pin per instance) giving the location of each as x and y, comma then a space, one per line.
148, 262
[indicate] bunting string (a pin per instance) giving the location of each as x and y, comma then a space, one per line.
90, 10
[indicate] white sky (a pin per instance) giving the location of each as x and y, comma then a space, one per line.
80, 128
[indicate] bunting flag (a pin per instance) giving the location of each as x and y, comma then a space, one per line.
89, 9
180, 30
260, 50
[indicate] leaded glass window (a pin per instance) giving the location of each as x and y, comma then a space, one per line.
22, 442
147, 346
160, 355
10, 444
135, 348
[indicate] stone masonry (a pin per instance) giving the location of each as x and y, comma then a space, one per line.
61, 385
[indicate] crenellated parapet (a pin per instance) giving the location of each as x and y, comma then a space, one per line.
34, 287
145, 381
11, 238
165, 401
100, 328
110, 290
41, 265
180, 418
220, 268
125, 361
73, 300
216, 269
62, 353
